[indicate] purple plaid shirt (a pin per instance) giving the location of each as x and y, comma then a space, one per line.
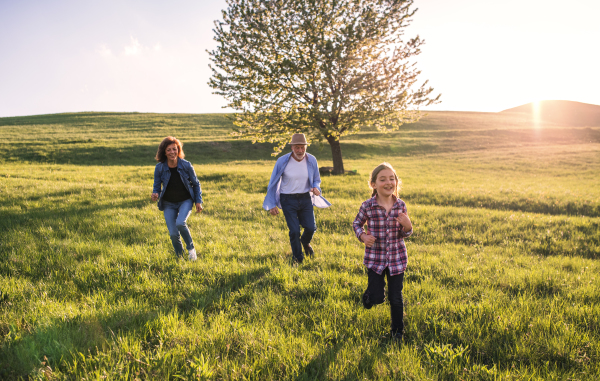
389, 249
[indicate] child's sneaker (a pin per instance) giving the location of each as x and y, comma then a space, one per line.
192, 254
397, 337
366, 300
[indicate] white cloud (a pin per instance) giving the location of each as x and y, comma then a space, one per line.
104, 51
122, 58
135, 48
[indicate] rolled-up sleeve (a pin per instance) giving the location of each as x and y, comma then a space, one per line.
157, 181
401, 232
271, 198
195, 185
359, 221
404, 234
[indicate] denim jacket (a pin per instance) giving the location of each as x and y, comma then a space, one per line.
162, 174
272, 198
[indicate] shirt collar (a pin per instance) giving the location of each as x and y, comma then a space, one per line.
373, 202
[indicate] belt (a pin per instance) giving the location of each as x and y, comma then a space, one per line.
295, 195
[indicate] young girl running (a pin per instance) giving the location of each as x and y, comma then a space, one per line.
385, 251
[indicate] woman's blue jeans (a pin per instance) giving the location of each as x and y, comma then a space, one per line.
298, 211
176, 215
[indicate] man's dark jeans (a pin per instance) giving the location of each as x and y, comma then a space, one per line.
375, 290
298, 211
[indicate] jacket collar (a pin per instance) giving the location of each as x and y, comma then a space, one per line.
179, 164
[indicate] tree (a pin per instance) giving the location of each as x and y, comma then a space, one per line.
323, 67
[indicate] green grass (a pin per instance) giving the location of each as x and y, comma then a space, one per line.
503, 266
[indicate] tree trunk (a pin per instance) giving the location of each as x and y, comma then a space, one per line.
336, 154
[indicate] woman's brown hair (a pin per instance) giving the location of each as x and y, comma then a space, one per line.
375, 173
161, 153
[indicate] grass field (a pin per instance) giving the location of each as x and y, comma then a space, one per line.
502, 282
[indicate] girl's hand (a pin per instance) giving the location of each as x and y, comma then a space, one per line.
199, 208
404, 221
154, 196
368, 239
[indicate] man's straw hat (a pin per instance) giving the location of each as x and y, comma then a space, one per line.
298, 139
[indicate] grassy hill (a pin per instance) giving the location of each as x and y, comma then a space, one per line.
502, 280
132, 138
561, 112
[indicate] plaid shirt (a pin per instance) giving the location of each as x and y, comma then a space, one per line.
389, 249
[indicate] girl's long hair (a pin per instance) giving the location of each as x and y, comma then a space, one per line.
161, 154
375, 173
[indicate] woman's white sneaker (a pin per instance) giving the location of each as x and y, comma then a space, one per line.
192, 254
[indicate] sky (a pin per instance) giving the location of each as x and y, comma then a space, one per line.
150, 56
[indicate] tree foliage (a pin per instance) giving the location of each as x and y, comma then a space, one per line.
322, 67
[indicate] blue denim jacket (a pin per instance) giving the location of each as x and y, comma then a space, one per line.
162, 174
272, 198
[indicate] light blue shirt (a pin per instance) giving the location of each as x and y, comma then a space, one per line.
314, 179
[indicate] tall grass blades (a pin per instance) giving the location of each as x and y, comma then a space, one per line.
502, 281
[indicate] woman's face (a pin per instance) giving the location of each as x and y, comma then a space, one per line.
385, 183
171, 151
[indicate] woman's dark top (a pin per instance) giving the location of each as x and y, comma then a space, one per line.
175, 191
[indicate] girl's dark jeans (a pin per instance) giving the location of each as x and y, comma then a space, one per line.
376, 295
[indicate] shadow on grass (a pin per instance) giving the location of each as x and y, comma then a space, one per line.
317, 367
64, 209
548, 206
63, 338
59, 223
214, 152
119, 152
365, 367
215, 299
501, 345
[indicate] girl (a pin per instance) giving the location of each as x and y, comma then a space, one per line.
180, 191
385, 251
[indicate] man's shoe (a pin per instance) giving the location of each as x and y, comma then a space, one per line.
295, 261
308, 250
366, 300
192, 253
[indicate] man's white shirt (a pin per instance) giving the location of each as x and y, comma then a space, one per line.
295, 177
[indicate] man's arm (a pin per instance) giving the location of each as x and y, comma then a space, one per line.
270, 202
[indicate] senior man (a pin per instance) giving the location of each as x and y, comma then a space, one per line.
295, 188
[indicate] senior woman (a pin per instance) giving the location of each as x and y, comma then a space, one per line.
176, 188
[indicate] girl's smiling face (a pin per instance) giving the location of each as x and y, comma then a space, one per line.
386, 183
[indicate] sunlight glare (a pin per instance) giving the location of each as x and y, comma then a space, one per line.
537, 113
